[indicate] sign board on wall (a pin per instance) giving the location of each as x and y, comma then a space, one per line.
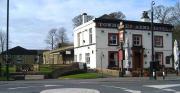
68, 52
121, 36
120, 55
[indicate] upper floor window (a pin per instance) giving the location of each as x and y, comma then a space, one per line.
112, 39
80, 57
78, 39
137, 40
90, 36
158, 40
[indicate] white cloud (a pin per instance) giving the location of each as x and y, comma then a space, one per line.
30, 20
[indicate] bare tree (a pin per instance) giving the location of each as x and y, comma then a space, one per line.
162, 14
50, 40
2, 40
117, 15
176, 14
77, 20
61, 37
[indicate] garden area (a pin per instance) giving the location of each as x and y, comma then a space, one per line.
91, 75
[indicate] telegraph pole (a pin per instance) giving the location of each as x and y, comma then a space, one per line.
7, 43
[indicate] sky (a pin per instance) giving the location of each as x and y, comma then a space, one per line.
30, 20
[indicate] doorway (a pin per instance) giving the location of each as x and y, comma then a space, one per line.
137, 59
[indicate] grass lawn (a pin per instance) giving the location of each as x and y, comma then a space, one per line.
45, 70
11, 69
81, 76
4, 79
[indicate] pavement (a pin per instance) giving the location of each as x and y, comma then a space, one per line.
102, 85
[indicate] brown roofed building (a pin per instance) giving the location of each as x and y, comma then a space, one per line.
20, 55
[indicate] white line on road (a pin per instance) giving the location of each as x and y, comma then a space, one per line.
125, 89
162, 86
21, 87
34, 86
165, 87
52, 85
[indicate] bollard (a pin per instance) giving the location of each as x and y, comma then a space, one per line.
163, 75
153, 74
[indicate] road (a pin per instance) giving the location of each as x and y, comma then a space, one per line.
101, 85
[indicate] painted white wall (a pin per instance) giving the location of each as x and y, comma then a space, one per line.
146, 42
102, 45
85, 47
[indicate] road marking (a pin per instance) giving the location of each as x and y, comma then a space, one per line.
125, 89
21, 87
88, 82
170, 90
162, 86
34, 86
165, 87
52, 85
70, 90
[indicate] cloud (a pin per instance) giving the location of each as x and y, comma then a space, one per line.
30, 20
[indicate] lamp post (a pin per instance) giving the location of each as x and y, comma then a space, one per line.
7, 43
152, 31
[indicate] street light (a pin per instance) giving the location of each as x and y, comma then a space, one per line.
7, 42
152, 31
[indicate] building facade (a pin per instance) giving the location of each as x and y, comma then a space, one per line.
64, 55
20, 55
99, 42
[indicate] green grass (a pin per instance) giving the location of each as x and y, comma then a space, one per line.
4, 79
11, 69
82, 76
45, 70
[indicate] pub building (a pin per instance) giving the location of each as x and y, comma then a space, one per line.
99, 42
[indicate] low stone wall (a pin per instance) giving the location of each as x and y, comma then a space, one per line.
34, 77
115, 73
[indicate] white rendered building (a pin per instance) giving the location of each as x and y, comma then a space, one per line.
99, 42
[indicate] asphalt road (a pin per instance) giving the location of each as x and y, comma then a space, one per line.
111, 85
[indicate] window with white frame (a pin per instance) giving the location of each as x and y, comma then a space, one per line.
87, 58
75, 58
159, 57
137, 40
90, 36
80, 57
158, 41
78, 38
113, 39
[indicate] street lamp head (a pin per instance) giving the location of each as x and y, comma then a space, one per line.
153, 3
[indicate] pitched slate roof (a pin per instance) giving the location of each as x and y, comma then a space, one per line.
21, 51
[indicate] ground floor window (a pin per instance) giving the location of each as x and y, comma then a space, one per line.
87, 58
75, 58
113, 59
168, 59
159, 57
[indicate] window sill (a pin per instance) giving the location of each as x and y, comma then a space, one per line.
158, 46
112, 45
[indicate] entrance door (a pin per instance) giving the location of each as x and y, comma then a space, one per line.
137, 61
113, 59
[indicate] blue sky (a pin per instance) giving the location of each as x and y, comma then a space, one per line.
30, 20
